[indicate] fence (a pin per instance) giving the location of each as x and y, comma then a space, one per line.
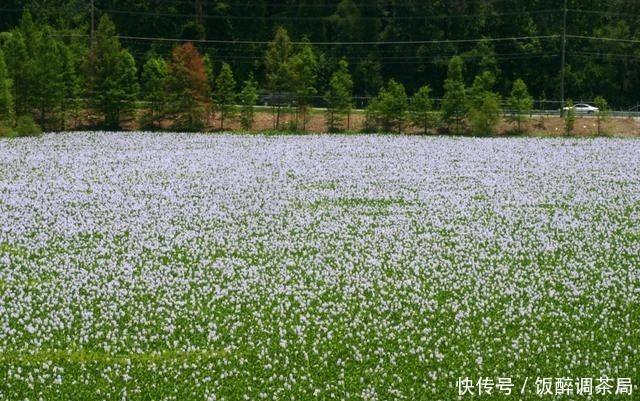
541, 107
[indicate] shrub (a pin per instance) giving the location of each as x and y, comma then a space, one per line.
603, 112
26, 126
484, 118
569, 118
6, 132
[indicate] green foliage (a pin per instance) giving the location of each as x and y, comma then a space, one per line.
391, 107
603, 112
71, 104
248, 99
454, 103
569, 118
224, 93
372, 21
484, 55
368, 77
519, 103
154, 88
278, 69
15, 51
485, 116
26, 126
111, 76
304, 74
43, 55
43, 71
338, 97
6, 97
484, 105
421, 109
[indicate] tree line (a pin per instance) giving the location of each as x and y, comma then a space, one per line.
420, 36
50, 78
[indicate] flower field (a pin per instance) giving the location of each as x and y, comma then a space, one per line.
211, 267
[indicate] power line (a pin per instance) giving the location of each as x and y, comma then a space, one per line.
327, 18
605, 55
603, 13
417, 42
604, 39
335, 5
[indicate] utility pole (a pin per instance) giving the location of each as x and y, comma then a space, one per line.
563, 57
93, 22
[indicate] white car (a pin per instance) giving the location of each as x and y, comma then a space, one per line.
583, 108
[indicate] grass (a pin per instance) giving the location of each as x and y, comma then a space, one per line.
233, 268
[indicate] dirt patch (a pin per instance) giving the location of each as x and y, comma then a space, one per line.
265, 121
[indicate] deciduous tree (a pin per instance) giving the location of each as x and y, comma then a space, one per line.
188, 86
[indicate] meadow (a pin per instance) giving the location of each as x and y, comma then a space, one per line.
140, 266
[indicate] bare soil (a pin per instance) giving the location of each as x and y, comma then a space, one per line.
535, 126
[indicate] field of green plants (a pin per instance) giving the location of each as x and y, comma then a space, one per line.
139, 266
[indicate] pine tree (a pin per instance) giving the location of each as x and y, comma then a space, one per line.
71, 103
484, 105
248, 99
42, 70
392, 105
421, 109
520, 103
304, 72
225, 93
338, 97
454, 103
47, 66
154, 83
6, 97
188, 86
111, 75
15, 53
278, 70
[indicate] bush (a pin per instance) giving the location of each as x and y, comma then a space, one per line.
486, 116
6, 132
26, 126
569, 118
603, 113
